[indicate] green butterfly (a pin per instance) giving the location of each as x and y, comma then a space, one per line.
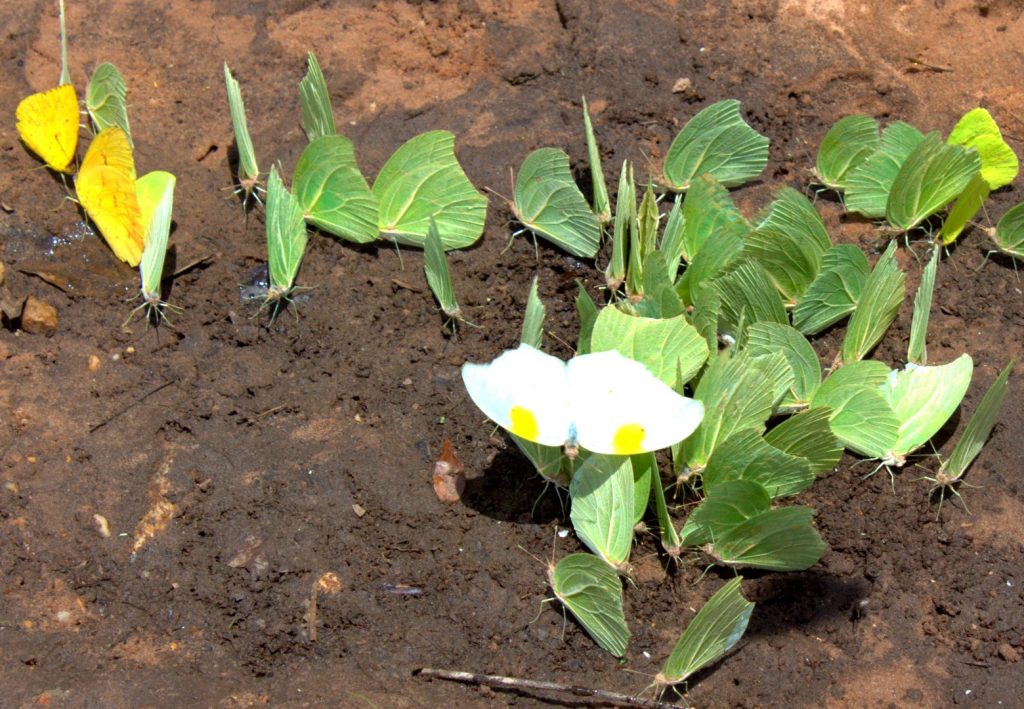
286, 239
715, 630
592, 592
155, 192
548, 203
106, 99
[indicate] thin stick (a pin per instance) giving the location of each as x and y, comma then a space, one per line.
188, 267
622, 700
135, 403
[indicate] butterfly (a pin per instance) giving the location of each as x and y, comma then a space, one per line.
48, 124
603, 402
105, 185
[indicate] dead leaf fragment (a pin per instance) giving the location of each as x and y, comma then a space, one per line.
247, 553
449, 475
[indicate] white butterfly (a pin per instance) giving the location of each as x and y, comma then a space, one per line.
604, 402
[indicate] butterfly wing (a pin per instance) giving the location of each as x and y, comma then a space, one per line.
155, 192
525, 392
48, 123
620, 408
111, 148
106, 189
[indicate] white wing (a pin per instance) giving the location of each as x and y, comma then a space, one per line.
524, 391
620, 408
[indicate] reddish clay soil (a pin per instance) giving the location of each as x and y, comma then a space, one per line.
228, 455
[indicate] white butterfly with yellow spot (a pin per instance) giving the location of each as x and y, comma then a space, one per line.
604, 401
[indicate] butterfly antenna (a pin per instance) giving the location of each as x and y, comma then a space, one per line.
499, 194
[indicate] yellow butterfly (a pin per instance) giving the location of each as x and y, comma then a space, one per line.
106, 190
48, 123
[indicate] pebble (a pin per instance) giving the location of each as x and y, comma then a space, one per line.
102, 525
682, 85
38, 317
1008, 652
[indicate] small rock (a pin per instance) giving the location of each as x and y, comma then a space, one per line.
359, 510
94, 363
102, 526
682, 86
1008, 652
38, 317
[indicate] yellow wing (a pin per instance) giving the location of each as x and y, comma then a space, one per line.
48, 123
112, 148
106, 189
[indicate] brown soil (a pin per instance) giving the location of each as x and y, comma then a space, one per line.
227, 455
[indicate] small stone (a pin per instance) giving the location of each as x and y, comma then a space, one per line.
102, 526
359, 510
682, 86
94, 363
1008, 652
38, 317
31, 460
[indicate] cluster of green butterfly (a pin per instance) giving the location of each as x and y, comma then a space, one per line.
905, 177
421, 197
723, 306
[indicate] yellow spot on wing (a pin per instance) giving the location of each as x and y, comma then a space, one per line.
629, 439
524, 423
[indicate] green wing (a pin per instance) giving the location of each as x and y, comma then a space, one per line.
549, 203
286, 236
423, 180
592, 592
106, 99
332, 191
717, 141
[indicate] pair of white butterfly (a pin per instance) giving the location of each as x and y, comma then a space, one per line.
603, 402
